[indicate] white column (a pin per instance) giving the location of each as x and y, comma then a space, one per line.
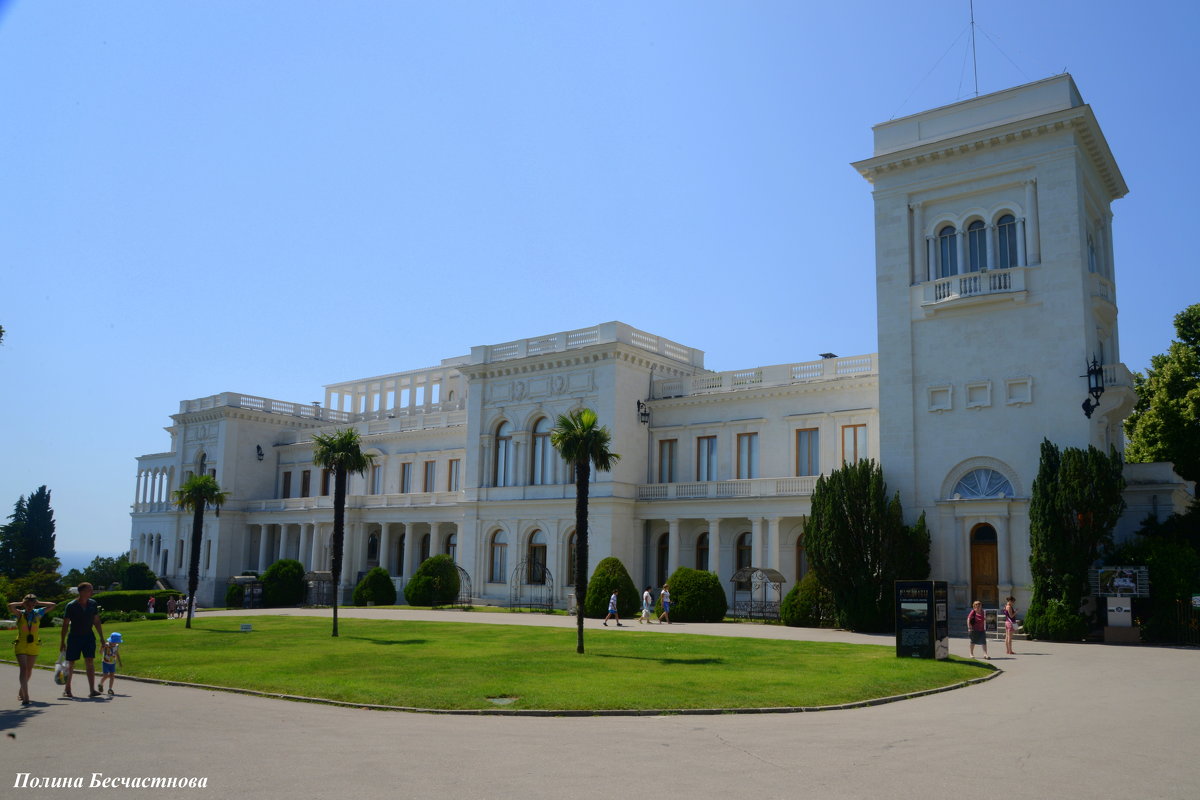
772, 542
756, 542
960, 245
263, 538
385, 548
989, 248
305, 545
315, 558
1003, 552
931, 257
434, 529
674, 544
1021, 253
282, 549
411, 550
1032, 228
714, 548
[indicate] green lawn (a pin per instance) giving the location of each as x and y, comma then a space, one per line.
448, 665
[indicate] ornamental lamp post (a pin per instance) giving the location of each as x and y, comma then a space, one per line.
1095, 379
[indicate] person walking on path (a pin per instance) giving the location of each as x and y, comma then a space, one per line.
150, 605
665, 596
109, 660
647, 606
1010, 623
612, 610
29, 613
977, 629
80, 616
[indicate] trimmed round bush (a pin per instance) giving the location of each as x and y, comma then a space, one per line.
376, 587
283, 584
808, 605
610, 576
696, 596
1055, 623
139, 576
435, 583
235, 596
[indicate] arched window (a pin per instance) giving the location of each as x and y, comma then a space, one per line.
542, 468
535, 560
502, 467
744, 550
1091, 253
400, 553
947, 252
1006, 241
497, 562
571, 544
702, 552
373, 547
983, 483
452, 546
801, 560
977, 246
424, 548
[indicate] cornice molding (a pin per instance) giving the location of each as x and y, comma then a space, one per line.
1081, 120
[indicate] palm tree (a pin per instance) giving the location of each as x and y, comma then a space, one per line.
339, 451
197, 493
582, 443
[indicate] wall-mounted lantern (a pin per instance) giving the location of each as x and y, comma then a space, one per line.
1095, 379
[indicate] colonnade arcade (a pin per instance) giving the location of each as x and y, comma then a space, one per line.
724, 545
398, 547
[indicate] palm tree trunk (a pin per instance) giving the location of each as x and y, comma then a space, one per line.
339, 530
194, 558
583, 470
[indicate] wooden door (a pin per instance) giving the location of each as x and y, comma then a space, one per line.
985, 571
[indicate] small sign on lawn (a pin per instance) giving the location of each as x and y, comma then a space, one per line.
245, 627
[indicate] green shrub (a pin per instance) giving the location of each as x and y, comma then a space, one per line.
376, 587
235, 596
610, 576
1055, 622
4, 607
808, 605
139, 576
696, 596
283, 584
435, 583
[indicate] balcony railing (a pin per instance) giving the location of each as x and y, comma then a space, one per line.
357, 501
236, 400
717, 490
975, 284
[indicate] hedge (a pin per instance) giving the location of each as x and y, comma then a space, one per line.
283, 584
435, 583
376, 588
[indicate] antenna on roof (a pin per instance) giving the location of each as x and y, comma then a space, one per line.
974, 61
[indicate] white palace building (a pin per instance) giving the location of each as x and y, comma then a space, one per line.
995, 288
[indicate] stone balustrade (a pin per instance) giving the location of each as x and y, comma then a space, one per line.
585, 337
975, 284
311, 411
754, 487
779, 375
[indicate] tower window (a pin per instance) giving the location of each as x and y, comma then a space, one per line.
947, 252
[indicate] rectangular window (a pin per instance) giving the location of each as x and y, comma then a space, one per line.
854, 443
376, 479
430, 476
747, 456
207, 555
286, 491
808, 449
706, 458
666, 461
306, 483
406, 478
326, 478
452, 475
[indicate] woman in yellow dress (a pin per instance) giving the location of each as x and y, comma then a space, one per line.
29, 613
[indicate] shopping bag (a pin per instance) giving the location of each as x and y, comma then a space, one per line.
60, 669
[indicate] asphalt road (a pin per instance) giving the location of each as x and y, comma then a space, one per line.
1063, 721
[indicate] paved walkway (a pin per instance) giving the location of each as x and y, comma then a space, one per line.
1064, 721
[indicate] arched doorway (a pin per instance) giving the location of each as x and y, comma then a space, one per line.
663, 559
985, 567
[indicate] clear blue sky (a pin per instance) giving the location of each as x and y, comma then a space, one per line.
266, 197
